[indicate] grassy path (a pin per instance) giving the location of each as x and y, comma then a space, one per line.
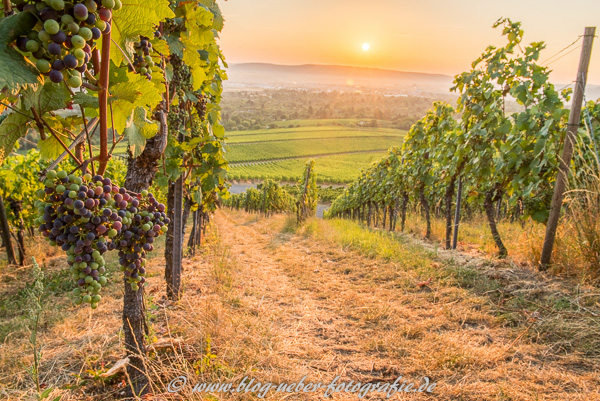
325, 311
333, 299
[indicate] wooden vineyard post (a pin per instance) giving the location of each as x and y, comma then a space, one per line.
457, 214
175, 285
10, 253
567, 153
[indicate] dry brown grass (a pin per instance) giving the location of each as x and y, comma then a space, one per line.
264, 302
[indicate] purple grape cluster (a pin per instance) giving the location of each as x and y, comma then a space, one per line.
75, 213
142, 61
88, 216
61, 45
144, 220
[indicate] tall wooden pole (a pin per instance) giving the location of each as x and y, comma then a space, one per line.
457, 214
567, 153
5, 230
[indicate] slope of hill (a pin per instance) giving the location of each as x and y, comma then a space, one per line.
263, 75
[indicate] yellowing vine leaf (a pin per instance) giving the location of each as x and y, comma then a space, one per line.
136, 17
137, 91
11, 129
138, 130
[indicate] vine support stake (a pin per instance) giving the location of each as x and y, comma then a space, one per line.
177, 239
10, 253
103, 102
457, 214
567, 153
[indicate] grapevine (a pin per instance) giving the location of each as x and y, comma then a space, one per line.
88, 216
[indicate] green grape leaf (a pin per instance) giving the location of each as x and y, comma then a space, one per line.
218, 16
11, 129
161, 46
15, 71
50, 97
138, 91
175, 46
138, 130
85, 100
162, 181
50, 148
136, 17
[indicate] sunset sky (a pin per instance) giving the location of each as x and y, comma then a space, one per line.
435, 36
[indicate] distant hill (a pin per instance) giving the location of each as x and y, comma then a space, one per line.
269, 76
263, 75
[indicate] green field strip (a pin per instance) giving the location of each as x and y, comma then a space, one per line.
331, 169
284, 149
316, 156
312, 138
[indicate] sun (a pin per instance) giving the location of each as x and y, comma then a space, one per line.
366, 46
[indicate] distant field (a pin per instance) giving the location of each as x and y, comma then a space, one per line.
330, 169
281, 153
311, 147
331, 122
311, 133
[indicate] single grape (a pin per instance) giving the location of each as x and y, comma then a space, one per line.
70, 61
54, 49
57, 4
56, 76
78, 42
118, 5
96, 33
48, 13
66, 19
58, 65
73, 27
59, 37
51, 26
43, 66
104, 14
32, 45
91, 5
43, 36
80, 12
79, 54
85, 33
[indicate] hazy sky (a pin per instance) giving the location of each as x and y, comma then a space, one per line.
436, 36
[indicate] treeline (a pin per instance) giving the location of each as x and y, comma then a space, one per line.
256, 110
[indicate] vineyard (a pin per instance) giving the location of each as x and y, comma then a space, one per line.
129, 271
145, 75
281, 153
504, 165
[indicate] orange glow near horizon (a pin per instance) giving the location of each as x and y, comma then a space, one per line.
432, 36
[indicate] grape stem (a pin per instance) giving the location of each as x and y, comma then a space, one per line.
83, 165
90, 77
8, 106
103, 102
55, 135
90, 86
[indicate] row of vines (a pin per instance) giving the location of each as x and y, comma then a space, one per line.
77, 78
477, 154
269, 197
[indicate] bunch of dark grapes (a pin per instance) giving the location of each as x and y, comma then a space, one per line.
144, 219
61, 44
142, 61
76, 214
88, 216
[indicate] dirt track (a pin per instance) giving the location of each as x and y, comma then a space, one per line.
296, 307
